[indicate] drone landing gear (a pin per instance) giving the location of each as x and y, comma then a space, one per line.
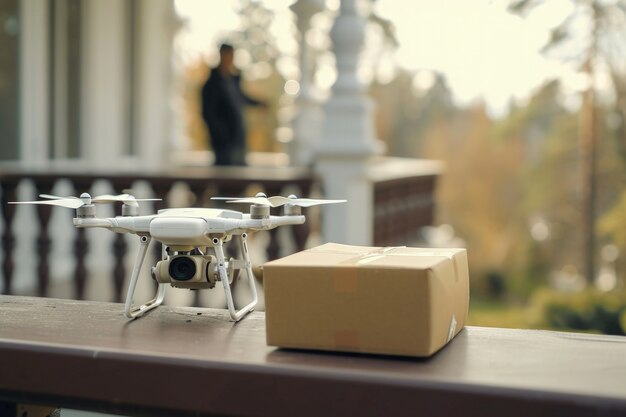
224, 269
224, 276
131, 311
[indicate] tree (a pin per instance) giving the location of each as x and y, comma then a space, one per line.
594, 47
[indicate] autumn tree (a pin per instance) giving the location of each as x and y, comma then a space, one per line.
595, 43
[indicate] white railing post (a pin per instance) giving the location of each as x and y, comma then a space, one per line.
308, 117
347, 143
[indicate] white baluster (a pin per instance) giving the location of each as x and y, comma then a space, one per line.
308, 117
344, 152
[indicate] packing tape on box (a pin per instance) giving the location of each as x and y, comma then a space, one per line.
337, 251
346, 278
452, 328
368, 257
346, 282
445, 253
371, 251
347, 339
379, 252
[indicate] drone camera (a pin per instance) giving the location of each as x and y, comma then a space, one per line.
182, 268
187, 271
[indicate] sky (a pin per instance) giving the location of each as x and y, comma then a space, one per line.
485, 52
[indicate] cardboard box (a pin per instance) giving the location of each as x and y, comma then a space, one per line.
395, 301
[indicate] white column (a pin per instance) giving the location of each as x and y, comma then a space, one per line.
351, 222
307, 121
60, 79
155, 124
104, 123
347, 142
348, 127
34, 82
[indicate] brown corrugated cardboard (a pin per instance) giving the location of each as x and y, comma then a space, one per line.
396, 301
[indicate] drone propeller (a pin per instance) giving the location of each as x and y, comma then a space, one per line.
85, 199
68, 202
277, 201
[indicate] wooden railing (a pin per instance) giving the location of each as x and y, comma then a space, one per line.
49, 348
401, 208
403, 200
201, 182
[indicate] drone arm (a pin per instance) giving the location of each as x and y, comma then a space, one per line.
82, 223
135, 225
286, 220
268, 223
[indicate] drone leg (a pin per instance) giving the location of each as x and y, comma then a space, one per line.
243, 240
137, 311
221, 267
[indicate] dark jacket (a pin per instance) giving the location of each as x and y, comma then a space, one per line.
222, 110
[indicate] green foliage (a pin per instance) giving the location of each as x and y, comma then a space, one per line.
488, 313
504, 176
589, 311
613, 223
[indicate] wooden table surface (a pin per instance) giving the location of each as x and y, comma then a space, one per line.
188, 361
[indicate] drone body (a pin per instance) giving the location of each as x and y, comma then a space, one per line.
192, 238
188, 227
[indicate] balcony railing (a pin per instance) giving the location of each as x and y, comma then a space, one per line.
403, 204
404, 199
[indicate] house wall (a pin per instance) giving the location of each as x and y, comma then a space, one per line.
95, 84
93, 87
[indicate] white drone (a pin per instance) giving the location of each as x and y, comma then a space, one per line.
192, 238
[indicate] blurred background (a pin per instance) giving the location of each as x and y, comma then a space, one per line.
513, 110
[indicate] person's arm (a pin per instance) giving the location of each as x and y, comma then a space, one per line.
250, 101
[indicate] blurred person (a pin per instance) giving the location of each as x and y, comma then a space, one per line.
223, 102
